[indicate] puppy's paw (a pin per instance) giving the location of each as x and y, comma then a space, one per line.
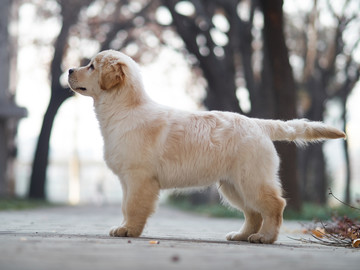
124, 232
237, 236
118, 232
261, 238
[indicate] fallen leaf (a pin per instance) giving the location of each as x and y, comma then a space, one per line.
153, 242
355, 243
318, 232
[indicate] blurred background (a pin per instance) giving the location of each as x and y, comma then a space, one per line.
267, 59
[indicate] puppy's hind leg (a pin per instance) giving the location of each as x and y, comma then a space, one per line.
253, 219
263, 192
271, 205
138, 204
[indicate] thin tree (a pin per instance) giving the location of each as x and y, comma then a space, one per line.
69, 12
330, 73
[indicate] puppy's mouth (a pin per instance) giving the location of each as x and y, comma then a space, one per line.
81, 88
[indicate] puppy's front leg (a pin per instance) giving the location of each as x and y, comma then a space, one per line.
139, 201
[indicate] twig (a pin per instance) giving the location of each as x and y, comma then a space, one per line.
322, 242
351, 206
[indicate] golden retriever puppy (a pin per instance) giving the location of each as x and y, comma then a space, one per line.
152, 147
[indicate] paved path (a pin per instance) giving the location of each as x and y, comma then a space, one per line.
77, 238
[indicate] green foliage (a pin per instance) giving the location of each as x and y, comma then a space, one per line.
211, 210
309, 211
21, 204
312, 211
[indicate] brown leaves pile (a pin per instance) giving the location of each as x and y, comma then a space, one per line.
341, 232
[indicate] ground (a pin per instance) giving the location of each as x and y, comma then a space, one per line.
77, 238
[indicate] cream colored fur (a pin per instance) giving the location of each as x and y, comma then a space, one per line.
152, 147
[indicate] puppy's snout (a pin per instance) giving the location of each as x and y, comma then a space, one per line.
71, 70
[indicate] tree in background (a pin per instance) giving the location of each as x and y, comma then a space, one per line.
69, 13
9, 111
4, 86
328, 71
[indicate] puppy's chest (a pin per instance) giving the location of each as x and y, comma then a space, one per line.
122, 152
115, 151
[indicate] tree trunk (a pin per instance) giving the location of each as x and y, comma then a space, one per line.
218, 71
70, 10
39, 168
4, 95
283, 88
347, 194
221, 93
9, 111
313, 177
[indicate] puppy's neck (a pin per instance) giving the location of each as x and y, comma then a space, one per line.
129, 95
118, 104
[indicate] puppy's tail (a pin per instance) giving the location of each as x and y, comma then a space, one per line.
301, 131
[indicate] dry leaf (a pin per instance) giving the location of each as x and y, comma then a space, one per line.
355, 243
318, 232
154, 242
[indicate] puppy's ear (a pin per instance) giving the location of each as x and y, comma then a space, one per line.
111, 75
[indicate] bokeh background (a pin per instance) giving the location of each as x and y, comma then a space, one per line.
268, 59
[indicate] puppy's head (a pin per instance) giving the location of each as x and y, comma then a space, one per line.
106, 72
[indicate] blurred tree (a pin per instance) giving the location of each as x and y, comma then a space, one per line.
9, 111
329, 71
215, 59
69, 13
4, 86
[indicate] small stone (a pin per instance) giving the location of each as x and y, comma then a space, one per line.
175, 258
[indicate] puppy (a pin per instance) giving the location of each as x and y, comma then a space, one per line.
152, 147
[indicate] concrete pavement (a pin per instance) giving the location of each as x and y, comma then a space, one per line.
77, 238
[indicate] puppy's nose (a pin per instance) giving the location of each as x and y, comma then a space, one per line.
71, 70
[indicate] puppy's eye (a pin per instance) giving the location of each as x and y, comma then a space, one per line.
92, 67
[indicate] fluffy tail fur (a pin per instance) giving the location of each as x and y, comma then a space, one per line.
300, 131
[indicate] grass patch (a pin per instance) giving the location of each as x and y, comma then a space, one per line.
21, 204
309, 211
211, 210
312, 211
